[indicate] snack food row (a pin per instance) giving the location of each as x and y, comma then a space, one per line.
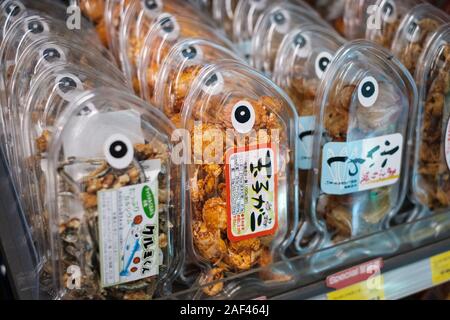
215, 170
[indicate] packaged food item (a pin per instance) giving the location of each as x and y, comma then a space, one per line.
114, 199
375, 20
333, 12
413, 33
245, 18
138, 19
223, 13
49, 95
178, 72
302, 60
114, 11
430, 178
276, 21
241, 172
163, 35
365, 112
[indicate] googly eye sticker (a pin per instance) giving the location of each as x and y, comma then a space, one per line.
169, 28
118, 151
192, 53
68, 86
389, 11
258, 4
35, 26
281, 20
412, 32
323, 60
214, 84
368, 92
13, 9
243, 117
51, 54
302, 45
152, 7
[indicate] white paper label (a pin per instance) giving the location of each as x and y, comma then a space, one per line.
128, 229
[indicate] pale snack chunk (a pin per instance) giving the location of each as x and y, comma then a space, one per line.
180, 69
364, 129
114, 199
414, 31
276, 21
241, 173
430, 182
301, 64
162, 36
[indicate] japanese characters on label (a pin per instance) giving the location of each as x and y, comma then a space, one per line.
251, 177
306, 135
128, 228
349, 167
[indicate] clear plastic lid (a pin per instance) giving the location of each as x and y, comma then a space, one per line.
413, 33
114, 12
245, 18
365, 112
276, 21
179, 70
430, 183
241, 172
163, 35
138, 19
114, 199
303, 58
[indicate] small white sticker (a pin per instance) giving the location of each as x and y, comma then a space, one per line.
447, 145
128, 228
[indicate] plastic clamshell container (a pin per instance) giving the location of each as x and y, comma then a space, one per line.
138, 19
430, 178
116, 156
246, 16
178, 72
301, 64
413, 33
365, 109
163, 35
243, 129
276, 21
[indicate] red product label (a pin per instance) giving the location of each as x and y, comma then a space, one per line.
355, 274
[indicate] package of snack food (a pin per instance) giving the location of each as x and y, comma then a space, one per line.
333, 12
302, 60
413, 33
223, 14
94, 10
430, 183
138, 19
276, 21
242, 175
114, 11
179, 70
246, 16
163, 35
365, 109
114, 199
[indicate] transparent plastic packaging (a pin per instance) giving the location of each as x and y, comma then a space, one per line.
138, 19
114, 11
223, 14
243, 129
276, 21
365, 109
246, 16
302, 62
162, 36
413, 33
178, 72
97, 162
430, 179
375, 20
94, 10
